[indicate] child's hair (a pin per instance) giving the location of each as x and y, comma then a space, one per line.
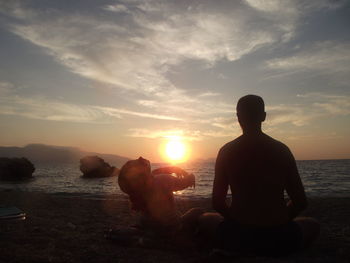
132, 180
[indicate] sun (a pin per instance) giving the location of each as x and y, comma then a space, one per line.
175, 150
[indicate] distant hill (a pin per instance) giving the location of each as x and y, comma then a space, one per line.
40, 153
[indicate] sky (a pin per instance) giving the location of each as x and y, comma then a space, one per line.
124, 76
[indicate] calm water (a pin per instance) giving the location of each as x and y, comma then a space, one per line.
320, 178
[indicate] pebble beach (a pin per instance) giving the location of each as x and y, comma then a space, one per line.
70, 228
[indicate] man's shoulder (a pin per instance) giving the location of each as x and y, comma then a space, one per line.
231, 145
241, 143
276, 143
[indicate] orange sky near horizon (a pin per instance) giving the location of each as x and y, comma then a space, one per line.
104, 141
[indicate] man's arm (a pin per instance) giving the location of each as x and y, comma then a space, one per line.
220, 187
295, 189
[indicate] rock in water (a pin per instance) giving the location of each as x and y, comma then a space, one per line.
15, 168
96, 167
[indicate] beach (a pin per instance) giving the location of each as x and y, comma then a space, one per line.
70, 228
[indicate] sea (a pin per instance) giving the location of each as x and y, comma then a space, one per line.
321, 178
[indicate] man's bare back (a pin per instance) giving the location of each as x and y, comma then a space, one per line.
258, 169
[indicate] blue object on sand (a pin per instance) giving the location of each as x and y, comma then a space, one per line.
11, 213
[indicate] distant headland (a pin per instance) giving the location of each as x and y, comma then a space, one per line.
41, 153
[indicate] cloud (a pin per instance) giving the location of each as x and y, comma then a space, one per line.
284, 13
184, 134
327, 57
195, 110
134, 45
311, 106
287, 15
329, 104
297, 115
323, 4
5, 88
161, 133
42, 108
118, 8
319, 137
116, 112
293, 9
137, 42
209, 94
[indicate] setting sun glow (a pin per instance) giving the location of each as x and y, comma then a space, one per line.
175, 150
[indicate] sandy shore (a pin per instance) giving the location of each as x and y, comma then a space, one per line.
69, 228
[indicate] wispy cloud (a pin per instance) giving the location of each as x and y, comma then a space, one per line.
326, 57
287, 14
209, 94
43, 109
135, 43
160, 133
5, 88
116, 112
311, 106
320, 137
118, 8
329, 104
297, 115
184, 134
39, 107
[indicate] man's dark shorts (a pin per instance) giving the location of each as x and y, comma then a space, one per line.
266, 241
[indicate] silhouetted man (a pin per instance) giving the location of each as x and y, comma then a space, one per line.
258, 169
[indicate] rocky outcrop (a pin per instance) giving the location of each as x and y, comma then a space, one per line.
96, 167
51, 154
13, 169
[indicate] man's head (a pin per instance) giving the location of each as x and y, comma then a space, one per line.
250, 111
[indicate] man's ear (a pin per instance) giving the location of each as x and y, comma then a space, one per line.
263, 116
